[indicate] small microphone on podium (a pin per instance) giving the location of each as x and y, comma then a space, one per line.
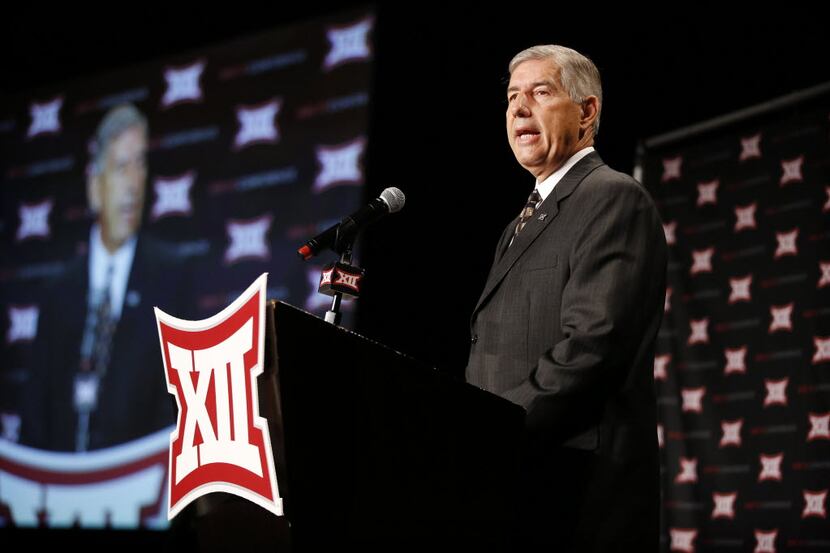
391, 200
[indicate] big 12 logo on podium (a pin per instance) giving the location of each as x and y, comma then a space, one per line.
220, 443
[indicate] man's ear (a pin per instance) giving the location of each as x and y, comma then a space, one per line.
590, 111
93, 192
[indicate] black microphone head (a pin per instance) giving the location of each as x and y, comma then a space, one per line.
393, 198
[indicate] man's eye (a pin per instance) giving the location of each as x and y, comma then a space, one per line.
541, 92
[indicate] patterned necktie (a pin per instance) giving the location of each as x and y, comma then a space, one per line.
532, 201
104, 328
95, 356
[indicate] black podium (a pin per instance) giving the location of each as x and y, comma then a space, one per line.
372, 448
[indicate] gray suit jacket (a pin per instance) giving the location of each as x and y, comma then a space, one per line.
565, 327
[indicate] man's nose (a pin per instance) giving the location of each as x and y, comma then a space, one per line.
519, 107
137, 176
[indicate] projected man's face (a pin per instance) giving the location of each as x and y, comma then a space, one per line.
120, 187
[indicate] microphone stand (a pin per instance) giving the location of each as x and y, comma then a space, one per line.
333, 315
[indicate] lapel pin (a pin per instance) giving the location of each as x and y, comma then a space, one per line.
542, 216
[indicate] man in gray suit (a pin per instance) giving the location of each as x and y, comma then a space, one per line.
567, 321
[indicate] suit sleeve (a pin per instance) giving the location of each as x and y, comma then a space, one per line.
617, 266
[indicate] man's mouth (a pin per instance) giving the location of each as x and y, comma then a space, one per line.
526, 135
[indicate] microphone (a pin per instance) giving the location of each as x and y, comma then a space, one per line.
391, 200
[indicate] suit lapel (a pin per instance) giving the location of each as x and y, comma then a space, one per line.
544, 214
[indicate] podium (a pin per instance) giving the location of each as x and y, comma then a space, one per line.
373, 449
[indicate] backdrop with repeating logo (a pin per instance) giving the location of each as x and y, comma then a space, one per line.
742, 364
254, 146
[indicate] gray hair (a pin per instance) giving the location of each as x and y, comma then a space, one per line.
116, 121
578, 74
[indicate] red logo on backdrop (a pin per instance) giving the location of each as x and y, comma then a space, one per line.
822, 353
791, 170
745, 216
702, 261
699, 331
735, 360
771, 467
724, 505
220, 443
765, 541
707, 192
815, 504
670, 230
776, 391
819, 426
683, 539
824, 280
731, 432
787, 243
671, 168
750, 147
660, 364
688, 471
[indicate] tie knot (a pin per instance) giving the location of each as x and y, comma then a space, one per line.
534, 198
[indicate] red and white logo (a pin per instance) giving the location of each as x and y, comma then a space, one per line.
819, 426
671, 168
693, 399
765, 541
724, 505
183, 84
791, 170
661, 438
776, 392
815, 504
770, 467
702, 261
682, 539
173, 196
735, 360
740, 289
211, 367
750, 147
349, 280
822, 353
349, 43
325, 277
22, 323
707, 193
700, 331
787, 243
339, 165
248, 239
670, 229
688, 471
745, 216
257, 124
667, 300
316, 302
781, 317
660, 364
824, 266
45, 117
34, 220
731, 433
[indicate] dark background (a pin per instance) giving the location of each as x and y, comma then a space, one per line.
437, 126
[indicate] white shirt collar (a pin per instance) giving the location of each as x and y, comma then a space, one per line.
100, 262
546, 186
